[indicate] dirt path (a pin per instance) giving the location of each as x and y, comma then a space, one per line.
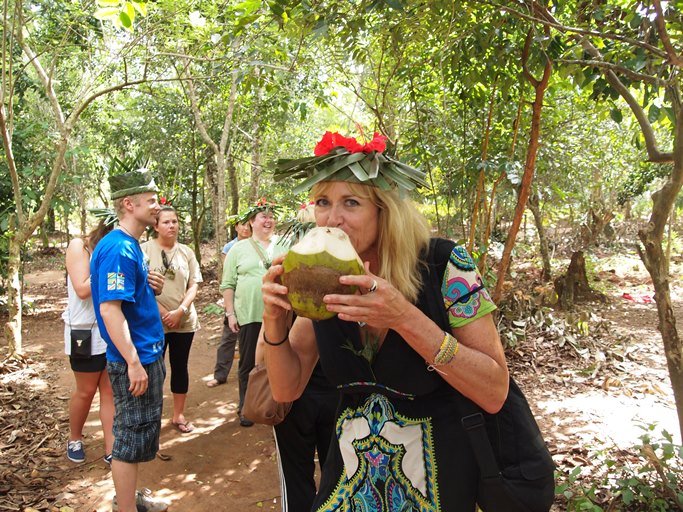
218, 467
587, 400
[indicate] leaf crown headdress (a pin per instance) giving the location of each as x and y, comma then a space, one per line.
262, 205
339, 158
107, 215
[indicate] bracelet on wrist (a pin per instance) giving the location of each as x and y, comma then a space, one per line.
447, 351
275, 343
183, 309
228, 315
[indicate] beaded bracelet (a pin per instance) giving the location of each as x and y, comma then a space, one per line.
276, 343
447, 351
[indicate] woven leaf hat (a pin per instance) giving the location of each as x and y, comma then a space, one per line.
262, 205
339, 158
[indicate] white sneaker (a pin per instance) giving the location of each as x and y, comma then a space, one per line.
145, 503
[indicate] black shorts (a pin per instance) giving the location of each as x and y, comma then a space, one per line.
93, 364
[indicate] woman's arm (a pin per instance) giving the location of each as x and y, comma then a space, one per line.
478, 370
78, 267
290, 363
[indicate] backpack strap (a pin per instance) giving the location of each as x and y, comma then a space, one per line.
473, 420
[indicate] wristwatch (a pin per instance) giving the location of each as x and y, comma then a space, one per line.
184, 309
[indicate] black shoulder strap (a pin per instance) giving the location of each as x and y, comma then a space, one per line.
473, 420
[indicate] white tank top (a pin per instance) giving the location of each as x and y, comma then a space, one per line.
80, 314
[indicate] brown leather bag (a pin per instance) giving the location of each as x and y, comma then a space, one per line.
259, 405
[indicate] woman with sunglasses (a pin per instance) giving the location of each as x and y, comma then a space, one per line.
182, 276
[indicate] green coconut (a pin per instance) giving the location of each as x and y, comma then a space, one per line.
313, 267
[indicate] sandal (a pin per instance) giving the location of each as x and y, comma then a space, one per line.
184, 427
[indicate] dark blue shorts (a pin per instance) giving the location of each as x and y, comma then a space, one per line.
137, 419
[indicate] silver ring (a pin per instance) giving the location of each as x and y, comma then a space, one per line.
373, 288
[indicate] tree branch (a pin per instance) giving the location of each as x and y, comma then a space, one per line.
654, 153
674, 58
197, 114
73, 117
44, 78
552, 23
9, 156
633, 75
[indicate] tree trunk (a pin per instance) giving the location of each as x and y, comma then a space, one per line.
194, 207
44, 239
573, 286
14, 302
540, 87
655, 261
255, 168
219, 219
546, 272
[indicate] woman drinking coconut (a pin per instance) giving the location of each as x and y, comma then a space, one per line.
398, 362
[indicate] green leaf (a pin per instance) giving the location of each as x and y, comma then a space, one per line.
108, 3
106, 13
125, 20
669, 111
276, 8
394, 4
130, 11
653, 113
141, 7
359, 172
616, 115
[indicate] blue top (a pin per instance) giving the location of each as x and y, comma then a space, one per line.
119, 271
228, 246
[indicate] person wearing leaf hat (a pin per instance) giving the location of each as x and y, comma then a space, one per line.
418, 332
244, 267
123, 292
225, 353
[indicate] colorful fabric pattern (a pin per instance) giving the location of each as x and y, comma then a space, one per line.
388, 461
115, 281
464, 294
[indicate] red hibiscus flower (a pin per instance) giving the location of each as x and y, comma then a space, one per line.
326, 144
378, 143
333, 140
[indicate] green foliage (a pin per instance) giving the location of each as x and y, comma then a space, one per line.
650, 480
121, 13
213, 309
639, 179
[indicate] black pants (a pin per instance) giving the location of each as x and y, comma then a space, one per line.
308, 427
247, 339
178, 345
225, 354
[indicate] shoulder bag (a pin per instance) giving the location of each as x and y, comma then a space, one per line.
259, 405
516, 470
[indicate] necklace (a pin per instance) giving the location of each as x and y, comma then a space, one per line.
169, 269
126, 231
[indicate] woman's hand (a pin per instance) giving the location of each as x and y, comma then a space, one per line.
276, 304
378, 304
173, 318
274, 292
232, 324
